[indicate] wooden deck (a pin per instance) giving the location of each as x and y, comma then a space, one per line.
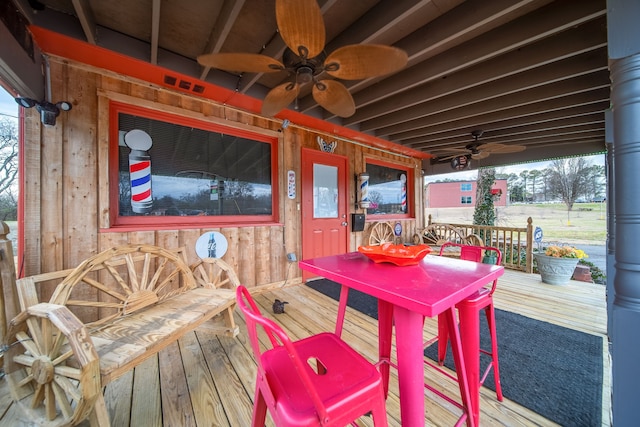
208, 380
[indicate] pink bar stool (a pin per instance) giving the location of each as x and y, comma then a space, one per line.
468, 311
315, 381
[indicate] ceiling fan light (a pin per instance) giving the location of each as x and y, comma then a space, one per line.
304, 75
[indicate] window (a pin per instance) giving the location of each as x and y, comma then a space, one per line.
466, 187
176, 170
465, 200
390, 187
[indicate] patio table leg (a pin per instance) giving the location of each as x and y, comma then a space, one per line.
342, 307
385, 329
409, 326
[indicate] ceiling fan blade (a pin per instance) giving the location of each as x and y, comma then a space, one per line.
247, 62
355, 62
279, 97
480, 155
494, 147
301, 26
334, 97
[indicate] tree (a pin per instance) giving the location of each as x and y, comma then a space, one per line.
534, 176
514, 188
524, 175
484, 213
568, 179
8, 167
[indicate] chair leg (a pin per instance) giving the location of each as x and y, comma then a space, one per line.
443, 339
259, 409
379, 413
491, 321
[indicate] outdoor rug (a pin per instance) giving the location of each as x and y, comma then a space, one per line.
554, 371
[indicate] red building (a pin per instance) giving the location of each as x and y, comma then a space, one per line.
455, 194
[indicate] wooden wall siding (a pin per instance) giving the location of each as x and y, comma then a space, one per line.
66, 181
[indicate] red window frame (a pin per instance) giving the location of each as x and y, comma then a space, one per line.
410, 191
164, 222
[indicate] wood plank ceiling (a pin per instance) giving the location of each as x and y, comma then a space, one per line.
526, 72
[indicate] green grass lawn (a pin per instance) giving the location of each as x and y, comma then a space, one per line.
586, 223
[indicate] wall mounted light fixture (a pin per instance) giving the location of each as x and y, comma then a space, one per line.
48, 111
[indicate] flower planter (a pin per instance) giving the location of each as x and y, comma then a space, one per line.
554, 270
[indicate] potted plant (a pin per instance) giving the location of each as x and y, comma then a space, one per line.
557, 263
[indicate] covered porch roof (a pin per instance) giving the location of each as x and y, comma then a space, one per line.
525, 72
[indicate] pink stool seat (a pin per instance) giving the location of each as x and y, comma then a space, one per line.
315, 381
468, 310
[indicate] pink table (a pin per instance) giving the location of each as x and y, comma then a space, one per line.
405, 296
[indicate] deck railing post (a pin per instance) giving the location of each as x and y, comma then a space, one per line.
529, 250
9, 307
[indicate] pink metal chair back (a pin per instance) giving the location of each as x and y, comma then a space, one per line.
315, 381
476, 254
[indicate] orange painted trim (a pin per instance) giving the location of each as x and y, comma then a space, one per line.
67, 47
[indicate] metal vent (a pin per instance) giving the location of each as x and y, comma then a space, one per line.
183, 84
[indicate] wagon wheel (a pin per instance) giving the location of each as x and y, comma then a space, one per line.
381, 232
214, 273
122, 280
52, 366
416, 239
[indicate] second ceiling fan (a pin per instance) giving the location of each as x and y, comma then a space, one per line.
477, 150
302, 28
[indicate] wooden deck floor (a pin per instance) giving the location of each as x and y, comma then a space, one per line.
208, 380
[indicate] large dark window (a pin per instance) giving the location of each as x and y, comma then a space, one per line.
191, 171
389, 189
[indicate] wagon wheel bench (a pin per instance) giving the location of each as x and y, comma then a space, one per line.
133, 301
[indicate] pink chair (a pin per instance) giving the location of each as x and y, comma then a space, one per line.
469, 308
315, 381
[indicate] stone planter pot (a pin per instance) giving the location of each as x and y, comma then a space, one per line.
555, 271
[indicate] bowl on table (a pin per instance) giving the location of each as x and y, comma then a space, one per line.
400, 255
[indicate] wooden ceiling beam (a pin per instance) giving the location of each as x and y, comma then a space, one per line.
221, 29
512, 85
523, 127
87, 21
538, 111
505, 67
542, 23
555, 90
155, 30
548, 136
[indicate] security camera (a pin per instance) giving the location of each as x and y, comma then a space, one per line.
48, 111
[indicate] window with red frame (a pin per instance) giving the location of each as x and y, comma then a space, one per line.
173, 169
389, 189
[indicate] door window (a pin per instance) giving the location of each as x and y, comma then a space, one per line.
325, 191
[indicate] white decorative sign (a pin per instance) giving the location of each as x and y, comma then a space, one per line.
291, 184
211, 245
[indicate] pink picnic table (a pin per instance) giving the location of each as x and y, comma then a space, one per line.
405, 296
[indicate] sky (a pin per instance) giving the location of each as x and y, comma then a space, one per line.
471, 175
8, 106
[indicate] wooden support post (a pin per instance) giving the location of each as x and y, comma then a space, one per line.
9, 307
529, 268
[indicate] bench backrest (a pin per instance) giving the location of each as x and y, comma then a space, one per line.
113, 283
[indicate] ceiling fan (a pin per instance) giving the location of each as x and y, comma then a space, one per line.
301, 26
477, 150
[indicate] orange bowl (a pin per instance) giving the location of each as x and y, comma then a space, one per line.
396, 254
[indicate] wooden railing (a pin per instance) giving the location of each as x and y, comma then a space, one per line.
515, 243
